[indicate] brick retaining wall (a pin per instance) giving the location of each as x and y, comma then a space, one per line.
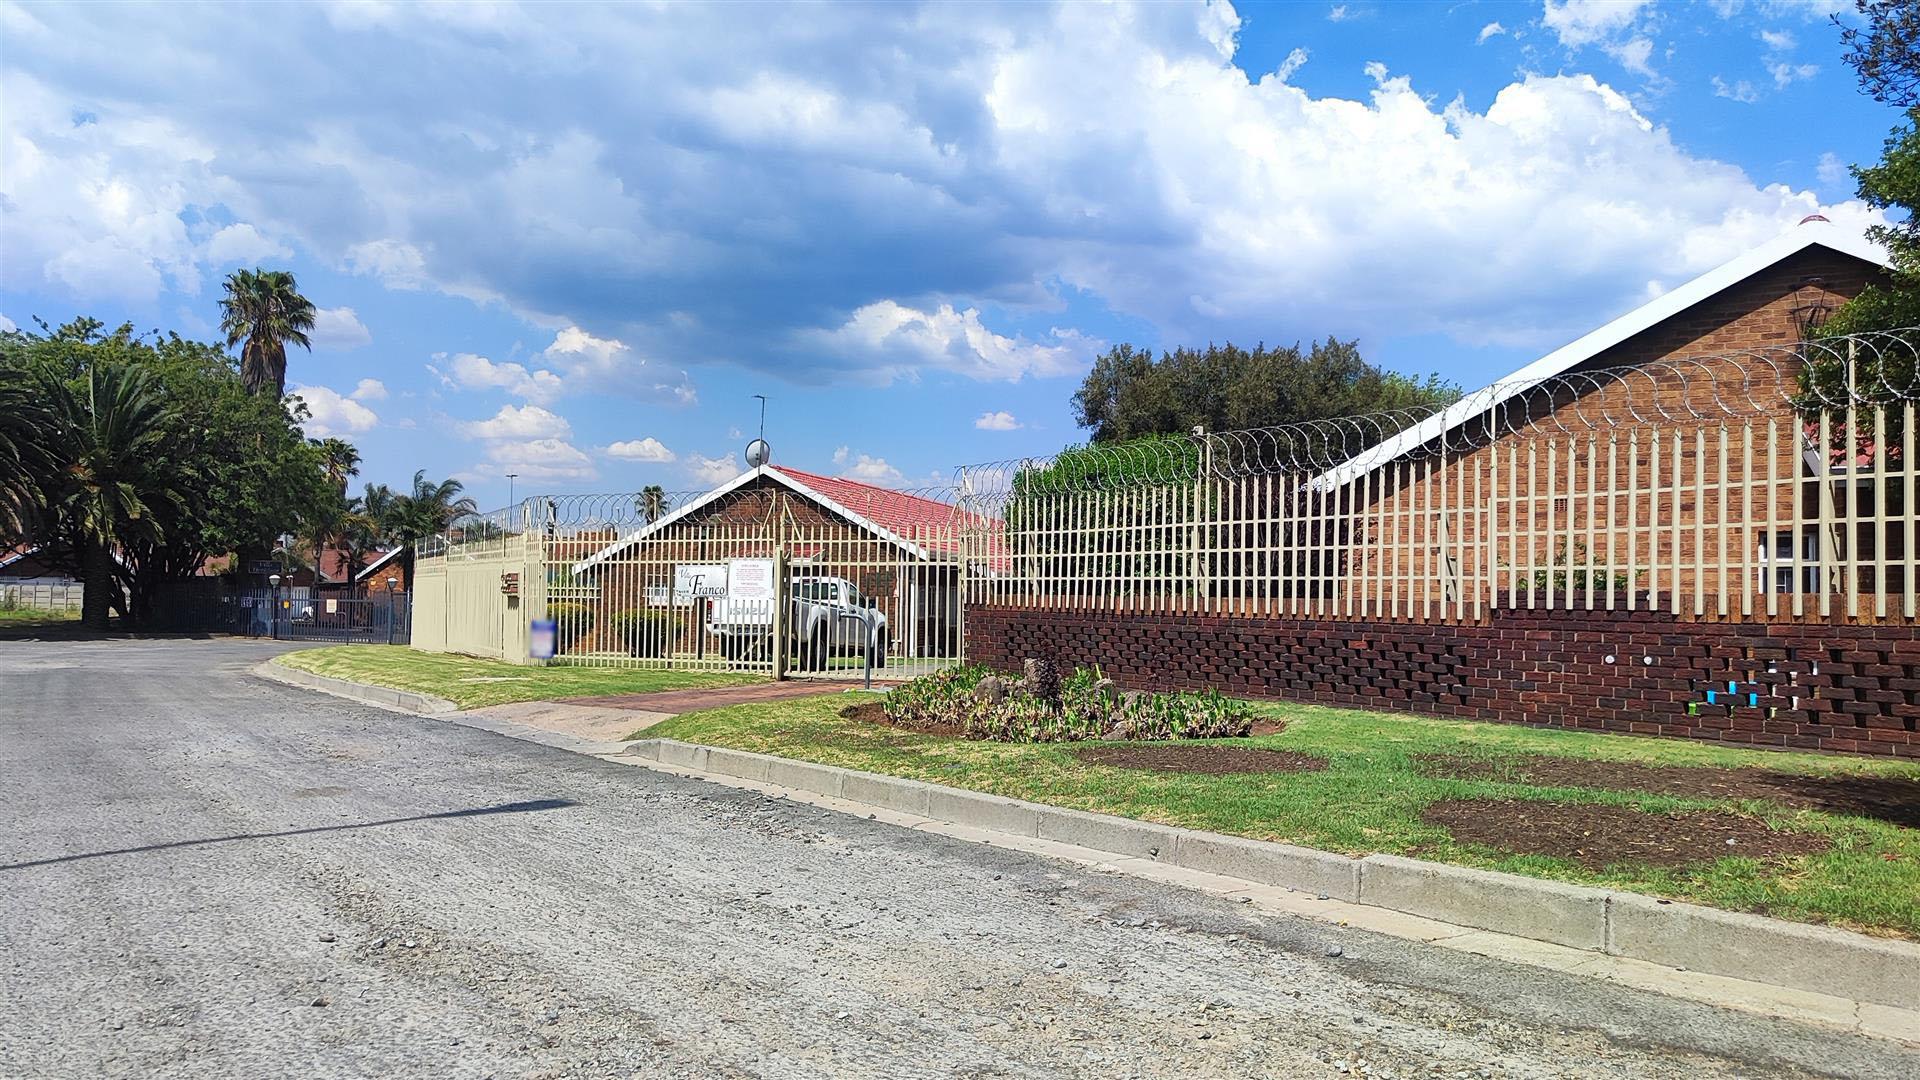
1816, 687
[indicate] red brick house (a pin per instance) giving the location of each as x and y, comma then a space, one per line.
1753, 304
903, 550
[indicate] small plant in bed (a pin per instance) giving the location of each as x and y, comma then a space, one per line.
1043, 707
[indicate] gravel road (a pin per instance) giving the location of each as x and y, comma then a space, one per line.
203, 874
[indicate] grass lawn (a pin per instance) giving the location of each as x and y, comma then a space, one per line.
470, 682
22, 617
1369, 798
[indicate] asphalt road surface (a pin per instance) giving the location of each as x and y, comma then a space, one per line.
206, 875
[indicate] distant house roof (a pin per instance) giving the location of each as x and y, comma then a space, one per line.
911, 522
1808, 234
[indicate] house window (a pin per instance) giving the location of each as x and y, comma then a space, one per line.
1781, 566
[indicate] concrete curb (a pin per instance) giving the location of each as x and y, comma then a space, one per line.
1670, 934
386, 697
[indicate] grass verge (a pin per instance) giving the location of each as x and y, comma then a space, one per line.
470, 682
24, 617
1370, 796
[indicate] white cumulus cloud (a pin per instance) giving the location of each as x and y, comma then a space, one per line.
647, 449
888, 335
472, 372
332, 414
520, 422
713, 471
540, 459
1579, 23
1491, 30
997, 421
866, 468
1295, 60
1831, 169
338, 328
607, 365
858, 191
369, 390
243, 245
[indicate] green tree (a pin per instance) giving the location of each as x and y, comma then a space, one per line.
237, 468
339, 459
1129, 394
103, 489
425, 510
1885, 54
377, 502
652, 503
23, 461
264, 310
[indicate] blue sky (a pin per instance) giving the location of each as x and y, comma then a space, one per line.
573, 241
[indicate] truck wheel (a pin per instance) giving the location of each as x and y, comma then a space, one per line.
877, 655
816, 656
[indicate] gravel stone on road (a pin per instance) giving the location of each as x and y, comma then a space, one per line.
206, 874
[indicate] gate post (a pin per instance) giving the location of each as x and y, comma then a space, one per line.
782, 603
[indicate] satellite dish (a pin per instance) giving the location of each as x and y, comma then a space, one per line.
758, 453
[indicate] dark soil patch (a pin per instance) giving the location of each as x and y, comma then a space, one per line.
1887, 798
1204, 760
872, 712
1600, 836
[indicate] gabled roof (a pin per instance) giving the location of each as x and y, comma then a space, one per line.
895, 517
1815, 232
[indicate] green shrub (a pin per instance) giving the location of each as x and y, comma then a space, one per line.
1082, 706
647, 631
934, 700
572, 621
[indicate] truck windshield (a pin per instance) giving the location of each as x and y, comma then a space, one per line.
819, 590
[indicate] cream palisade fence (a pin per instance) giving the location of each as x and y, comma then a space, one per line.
1770, 483
764, 578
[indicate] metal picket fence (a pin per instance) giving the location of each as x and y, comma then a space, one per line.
843, 583
1771, 483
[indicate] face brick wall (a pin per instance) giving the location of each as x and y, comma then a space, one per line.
1756, 314
1845, 688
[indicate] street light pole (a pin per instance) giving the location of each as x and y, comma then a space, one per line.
273, 613
510, 477
391, 582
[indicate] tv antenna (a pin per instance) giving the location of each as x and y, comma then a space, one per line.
758, 452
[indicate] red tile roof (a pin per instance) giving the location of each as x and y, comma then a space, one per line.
934, 525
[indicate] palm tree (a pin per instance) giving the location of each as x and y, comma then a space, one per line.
339, 459
102, 436
356, 537
426, 510
24, 425
652, 503
377, 503
265, 309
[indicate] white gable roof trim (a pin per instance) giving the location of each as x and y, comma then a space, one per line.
380, 562
1721, 278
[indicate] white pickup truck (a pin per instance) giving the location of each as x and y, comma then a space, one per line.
828, 618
